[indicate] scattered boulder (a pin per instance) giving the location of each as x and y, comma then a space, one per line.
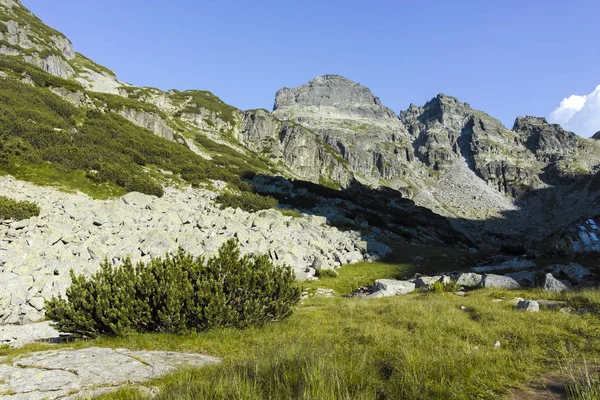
76, 232
469, 280
391, 287
524, 278
574, 272
528, 305
426, 281
551, 284
499, 281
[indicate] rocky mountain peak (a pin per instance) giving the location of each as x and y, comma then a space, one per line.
326, 91
443, 110
596, 135
547, 141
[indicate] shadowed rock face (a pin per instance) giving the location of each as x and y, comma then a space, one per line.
596, 135
445, 130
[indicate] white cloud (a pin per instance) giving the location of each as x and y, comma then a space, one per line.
580, 114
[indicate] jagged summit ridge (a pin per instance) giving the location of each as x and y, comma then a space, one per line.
326, 90
333, 91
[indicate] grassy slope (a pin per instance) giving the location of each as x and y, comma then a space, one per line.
37, 127
410, 347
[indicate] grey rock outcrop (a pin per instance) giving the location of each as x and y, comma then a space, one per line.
84, 373
333, 91
346, 116
445, 130
53, 64
148, 120
21, 335
297, 148
596, 136
548, 142
427, 281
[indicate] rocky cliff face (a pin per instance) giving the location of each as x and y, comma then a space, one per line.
457, 161
353, 122
549, 142
445, 130
294, 147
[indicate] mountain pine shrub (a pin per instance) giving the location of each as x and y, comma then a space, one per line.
17, 210
248, 201
177, 294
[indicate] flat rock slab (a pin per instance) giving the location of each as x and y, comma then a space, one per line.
20, 335
70, 374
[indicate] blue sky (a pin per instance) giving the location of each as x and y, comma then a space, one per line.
507, 57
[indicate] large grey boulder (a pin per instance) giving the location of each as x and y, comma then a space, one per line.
574, 272
391, 287
525, 278
528, 305
551, 284
499, 281
469, 280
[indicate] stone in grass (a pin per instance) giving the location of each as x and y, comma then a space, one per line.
528, 305
553, 285
391, 287
551, 304
469, 280
426, 281
499, 281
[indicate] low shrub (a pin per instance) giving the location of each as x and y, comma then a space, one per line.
326, 273
177, 294
248, 201
448, 287
17, 210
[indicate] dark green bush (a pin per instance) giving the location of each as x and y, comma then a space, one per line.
247, 201
326, 273
17, 210
177, 294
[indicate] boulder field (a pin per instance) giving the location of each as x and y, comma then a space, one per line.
74, 231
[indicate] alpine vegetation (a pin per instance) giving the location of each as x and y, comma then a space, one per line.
177, 294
